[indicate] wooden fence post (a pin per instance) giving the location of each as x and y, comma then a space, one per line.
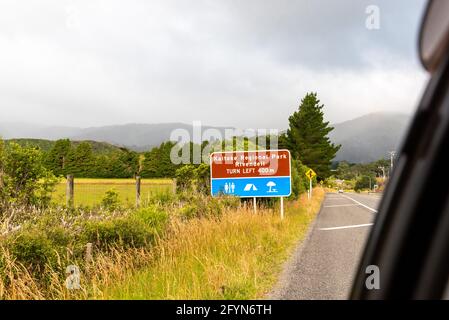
138, 184
174, 186
70, 191
88, 257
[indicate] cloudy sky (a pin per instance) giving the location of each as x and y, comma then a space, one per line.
228, 63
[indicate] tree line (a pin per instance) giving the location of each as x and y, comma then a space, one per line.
306, 138
83, 162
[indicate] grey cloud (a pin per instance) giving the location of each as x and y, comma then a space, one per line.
87, 63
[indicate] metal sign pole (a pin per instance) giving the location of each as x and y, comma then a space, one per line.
310, 188
310, 174
282, 208
255, 205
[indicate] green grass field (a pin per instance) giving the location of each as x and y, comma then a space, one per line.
90, 192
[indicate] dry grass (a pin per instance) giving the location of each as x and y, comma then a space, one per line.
238, 256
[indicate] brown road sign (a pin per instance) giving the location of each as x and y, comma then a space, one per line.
263, 173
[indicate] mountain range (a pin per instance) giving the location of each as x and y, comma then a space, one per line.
364, 139
137, 137
370, 137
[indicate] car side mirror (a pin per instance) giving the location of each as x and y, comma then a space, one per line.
434, 34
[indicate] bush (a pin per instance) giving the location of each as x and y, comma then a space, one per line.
196, 177
202, 178
127, 231
363, 182
184, 177
110, 200
230, 202
161, 198
34, 250
189, 211
300, 183
200, 206
214, 207
23, 177
153, 217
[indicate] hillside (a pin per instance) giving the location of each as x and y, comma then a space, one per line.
364, 139
46, 145
370, 137
137, 137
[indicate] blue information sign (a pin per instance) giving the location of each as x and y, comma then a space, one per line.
251, 174
252, 187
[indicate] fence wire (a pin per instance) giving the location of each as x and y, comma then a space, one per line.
91, 192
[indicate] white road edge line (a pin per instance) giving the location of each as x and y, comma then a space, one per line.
347, 227
341, 205
359, 203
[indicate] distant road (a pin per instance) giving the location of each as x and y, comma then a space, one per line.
323, 267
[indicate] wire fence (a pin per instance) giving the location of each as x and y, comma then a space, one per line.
91, 192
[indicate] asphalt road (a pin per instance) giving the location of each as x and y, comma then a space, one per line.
325, 264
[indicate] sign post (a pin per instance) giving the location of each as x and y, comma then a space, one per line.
251, 174
255, 205
282, 208
310, 174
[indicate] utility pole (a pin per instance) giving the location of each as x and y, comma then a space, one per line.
392, 155
383, 172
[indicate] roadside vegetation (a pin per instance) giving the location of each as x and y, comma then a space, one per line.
238, 256
360, 177
189, 246
174, 245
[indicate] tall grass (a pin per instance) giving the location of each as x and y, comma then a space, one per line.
236, 255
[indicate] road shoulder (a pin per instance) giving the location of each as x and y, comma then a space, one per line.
282, 285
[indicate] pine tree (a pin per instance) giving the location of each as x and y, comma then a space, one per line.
307, 138
56, 158
157, 162
81, 161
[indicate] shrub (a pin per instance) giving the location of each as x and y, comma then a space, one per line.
300, 183
163, 197
364, 182
230, 202
110, 200
202, 178
127, 231
197, 177
214, 207
33, 249
23, 177
153, 217
199, 206
184, 177
189, 211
